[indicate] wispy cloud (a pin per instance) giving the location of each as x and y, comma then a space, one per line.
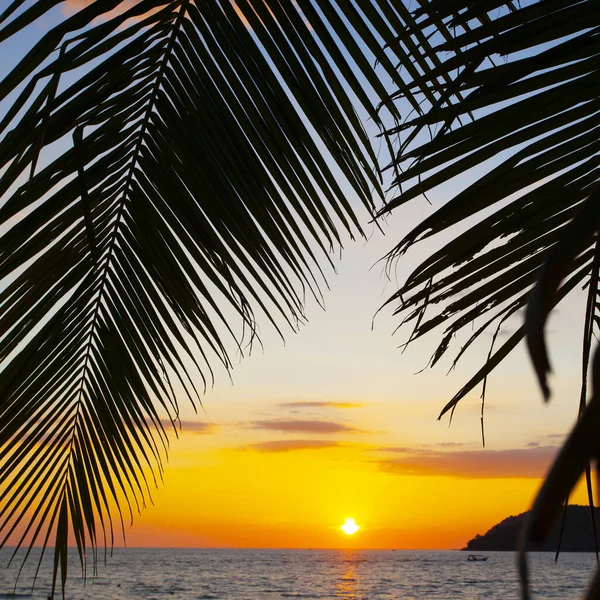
320, 405
419, 450
193, 427
292, 445
187, 427
449, 444
531, 462
395, 449
304, 426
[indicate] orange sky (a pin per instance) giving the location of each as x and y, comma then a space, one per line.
335, 424
256, 497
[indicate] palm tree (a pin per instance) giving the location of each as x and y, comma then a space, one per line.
171, 169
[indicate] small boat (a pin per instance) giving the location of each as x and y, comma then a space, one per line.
476, 557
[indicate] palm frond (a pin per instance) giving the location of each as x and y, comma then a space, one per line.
168, 169
521, 117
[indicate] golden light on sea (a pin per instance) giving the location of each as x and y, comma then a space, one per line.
350, 527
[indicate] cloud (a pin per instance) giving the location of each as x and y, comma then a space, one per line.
449, 444
396, 449
320, 405
193, 427
187, 427
420, 450
304, 426
292, 445
555, 436
528, 463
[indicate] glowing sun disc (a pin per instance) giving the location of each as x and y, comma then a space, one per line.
350, 527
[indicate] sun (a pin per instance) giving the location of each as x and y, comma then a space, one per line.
350, 527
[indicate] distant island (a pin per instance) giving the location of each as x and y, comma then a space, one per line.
577, 536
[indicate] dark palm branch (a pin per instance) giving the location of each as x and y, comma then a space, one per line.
168, 171
525, 126
521, 116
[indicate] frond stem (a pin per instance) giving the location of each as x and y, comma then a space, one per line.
113, 234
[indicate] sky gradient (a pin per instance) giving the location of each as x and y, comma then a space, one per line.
336, 423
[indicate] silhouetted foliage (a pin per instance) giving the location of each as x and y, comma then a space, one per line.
171, 171
577, 536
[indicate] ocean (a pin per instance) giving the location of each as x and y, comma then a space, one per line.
222, 574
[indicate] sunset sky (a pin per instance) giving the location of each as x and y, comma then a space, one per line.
335, 423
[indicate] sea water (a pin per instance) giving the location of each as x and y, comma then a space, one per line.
202, 574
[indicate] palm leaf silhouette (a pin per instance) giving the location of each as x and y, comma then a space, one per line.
525, 128
531, 110
170, 169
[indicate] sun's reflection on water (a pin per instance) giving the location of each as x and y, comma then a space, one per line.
346, 586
